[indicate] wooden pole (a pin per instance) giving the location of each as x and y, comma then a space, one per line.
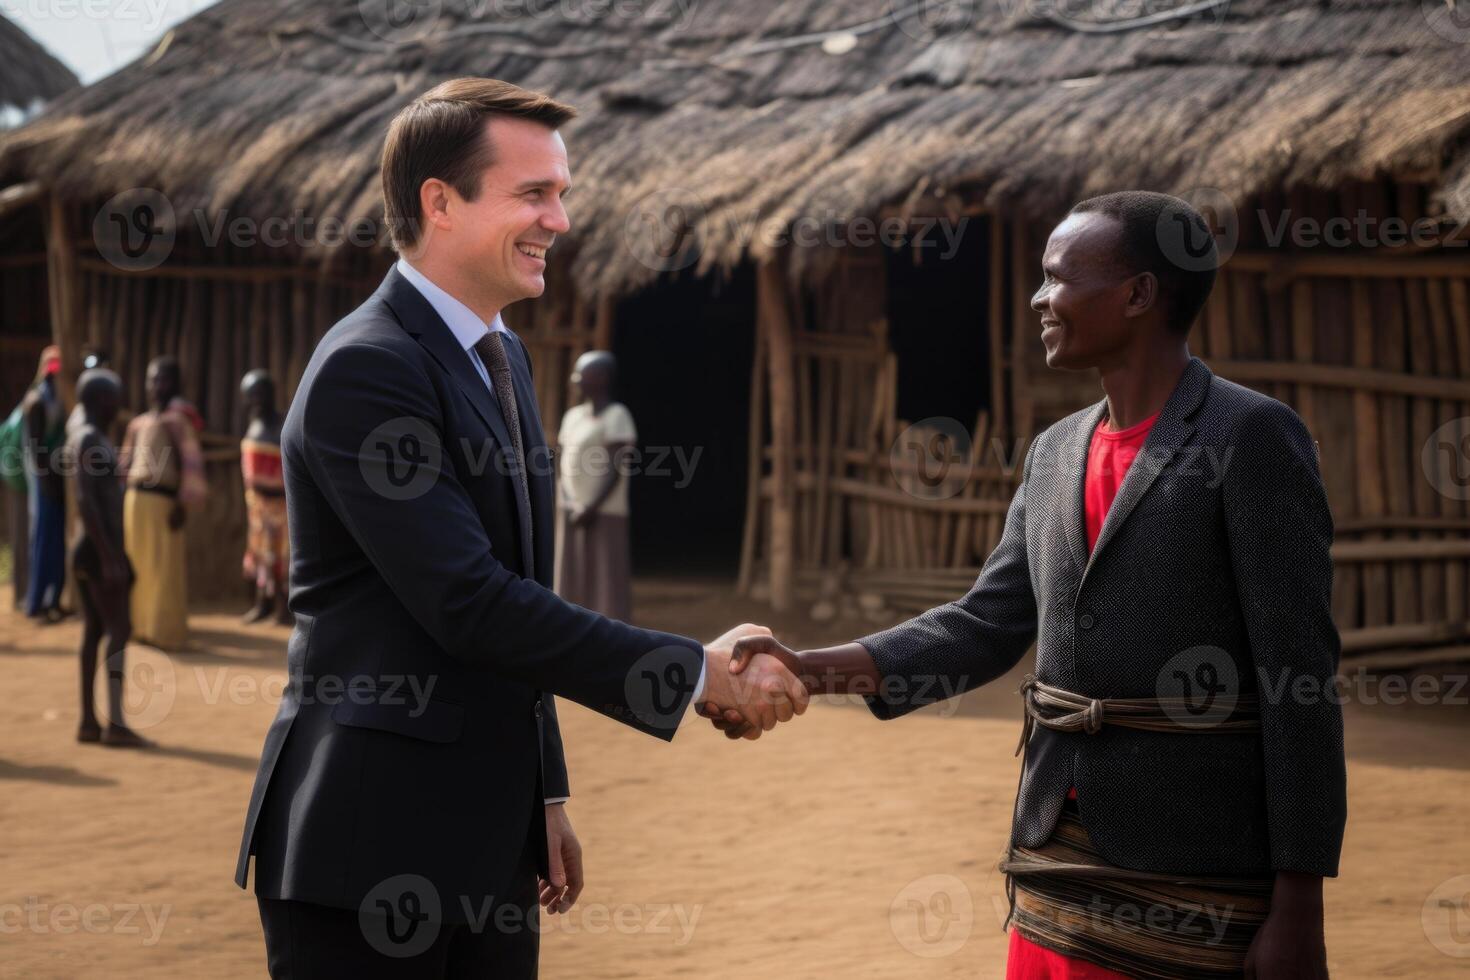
774, 316
756, 434
67, 324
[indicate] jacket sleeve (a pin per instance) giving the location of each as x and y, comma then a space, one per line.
1280, 534
958, 646
371, 421
554, 782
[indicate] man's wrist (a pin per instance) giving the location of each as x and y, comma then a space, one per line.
1297, 892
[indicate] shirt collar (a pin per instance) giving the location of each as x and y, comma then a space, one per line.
462, 321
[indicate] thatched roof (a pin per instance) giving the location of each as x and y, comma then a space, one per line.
264, 107
29, 75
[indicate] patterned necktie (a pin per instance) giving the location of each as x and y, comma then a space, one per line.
491, 349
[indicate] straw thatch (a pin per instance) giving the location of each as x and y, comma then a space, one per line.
29, 75
733, 110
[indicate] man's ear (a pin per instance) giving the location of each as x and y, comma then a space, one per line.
434, 203
1143, 294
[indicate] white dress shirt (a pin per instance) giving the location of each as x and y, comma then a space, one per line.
468, 328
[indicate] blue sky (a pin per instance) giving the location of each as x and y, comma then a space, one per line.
96, 37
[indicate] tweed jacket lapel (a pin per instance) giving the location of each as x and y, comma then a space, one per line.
1170, 432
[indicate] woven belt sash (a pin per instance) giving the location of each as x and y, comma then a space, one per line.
1064, 711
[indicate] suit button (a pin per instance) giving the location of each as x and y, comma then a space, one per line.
538, 709
1086, 621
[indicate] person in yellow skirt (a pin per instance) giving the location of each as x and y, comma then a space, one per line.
165, 477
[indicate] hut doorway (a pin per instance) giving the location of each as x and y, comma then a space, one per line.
939, 325
684, 348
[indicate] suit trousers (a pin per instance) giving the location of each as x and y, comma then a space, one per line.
388, 939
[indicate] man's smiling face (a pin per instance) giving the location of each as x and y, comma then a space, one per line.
507, 230
1088, 298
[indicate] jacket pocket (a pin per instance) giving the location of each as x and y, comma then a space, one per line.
422, 718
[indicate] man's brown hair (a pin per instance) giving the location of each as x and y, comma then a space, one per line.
442, 134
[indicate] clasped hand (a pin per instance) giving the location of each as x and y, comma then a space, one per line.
751, 684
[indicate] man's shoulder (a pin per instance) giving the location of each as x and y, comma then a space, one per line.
372, 327
1233, 407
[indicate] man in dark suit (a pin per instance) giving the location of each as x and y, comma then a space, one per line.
409, 812
1168, 551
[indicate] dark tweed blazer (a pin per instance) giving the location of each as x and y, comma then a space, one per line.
1211, 579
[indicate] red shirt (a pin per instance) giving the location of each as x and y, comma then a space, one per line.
1108, 457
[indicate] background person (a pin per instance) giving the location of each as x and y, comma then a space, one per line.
593, 568
45, 432
165, 475
103, 573
267, 548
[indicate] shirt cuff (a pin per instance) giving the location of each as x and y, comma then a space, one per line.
699, 684
557, 799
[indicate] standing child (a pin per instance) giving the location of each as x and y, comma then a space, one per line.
104, 574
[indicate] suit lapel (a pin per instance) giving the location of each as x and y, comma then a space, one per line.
419, 318
1170, 432
1076, 449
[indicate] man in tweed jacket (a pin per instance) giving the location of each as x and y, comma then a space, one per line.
1212, 570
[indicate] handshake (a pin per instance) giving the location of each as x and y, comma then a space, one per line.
751, 682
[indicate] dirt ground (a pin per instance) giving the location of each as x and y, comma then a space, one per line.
837, 846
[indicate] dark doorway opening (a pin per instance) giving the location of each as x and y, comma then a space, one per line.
684, 347
938, 316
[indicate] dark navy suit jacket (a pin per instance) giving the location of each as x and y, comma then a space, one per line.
413, 737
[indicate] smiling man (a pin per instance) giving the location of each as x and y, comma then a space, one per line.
409, 813
1183, 789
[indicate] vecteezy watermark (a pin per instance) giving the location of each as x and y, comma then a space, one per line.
403, 458
926, 20
150, 685
1207, 921
151, 13
1362, 686
917, 690
932, 916
1199, 687
409, 691
138, 229
1445, 459
1446, 917
1450, 19
931, 459
657, 685
400, 21
135, 230
1191, 247
403, 915
97, 918
660, 229
663, 230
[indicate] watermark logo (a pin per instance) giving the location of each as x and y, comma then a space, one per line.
400, 21
135, 230
926, 20
400, 916
401, 458
1191, 247
931, 458
1445, 459
660, 229
1446, 917
656, 685
150, 685
932, 916
1450, 19
1199, 687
